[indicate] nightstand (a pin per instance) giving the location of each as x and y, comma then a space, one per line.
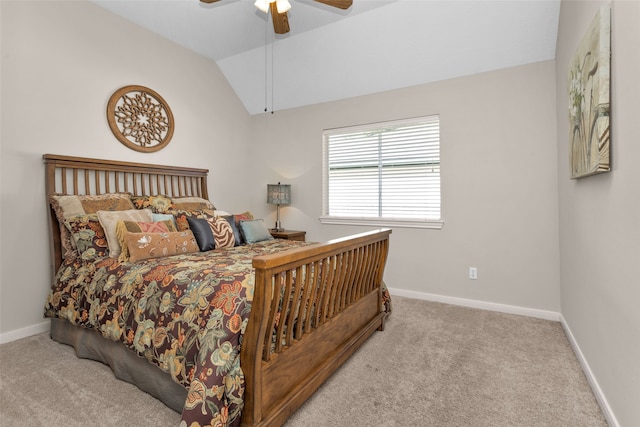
289, 234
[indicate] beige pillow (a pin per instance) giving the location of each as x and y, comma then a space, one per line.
155, 245
191, 203
109, 221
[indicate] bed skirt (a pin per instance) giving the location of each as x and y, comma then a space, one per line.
125, 364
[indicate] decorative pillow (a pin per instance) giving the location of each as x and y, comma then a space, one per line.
181, 217
155, 245
245, 216
88, 235
164, 217
255, 230
222, 232
157, 204
237, 236
139, 227
69, 206
109, 221
202, 232
191, 203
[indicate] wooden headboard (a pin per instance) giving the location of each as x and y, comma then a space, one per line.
85, 176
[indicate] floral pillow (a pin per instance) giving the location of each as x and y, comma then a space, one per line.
88, 236
155, 245
157, 204
70, 206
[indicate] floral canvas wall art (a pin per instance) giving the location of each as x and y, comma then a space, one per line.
589, 100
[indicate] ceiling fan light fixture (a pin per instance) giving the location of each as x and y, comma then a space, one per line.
263, 5
283, 6
278, 10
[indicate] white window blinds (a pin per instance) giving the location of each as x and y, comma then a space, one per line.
386, 170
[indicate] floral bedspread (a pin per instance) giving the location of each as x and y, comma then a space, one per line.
183, 313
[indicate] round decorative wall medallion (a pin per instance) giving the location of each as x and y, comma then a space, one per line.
140, 118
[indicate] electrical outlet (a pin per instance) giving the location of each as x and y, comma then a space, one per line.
473, 273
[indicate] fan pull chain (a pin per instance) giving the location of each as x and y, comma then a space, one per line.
266, 29
272, 86
266, 67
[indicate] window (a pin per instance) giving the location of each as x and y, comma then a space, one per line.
383, 173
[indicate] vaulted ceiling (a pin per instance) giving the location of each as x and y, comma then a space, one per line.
330, 54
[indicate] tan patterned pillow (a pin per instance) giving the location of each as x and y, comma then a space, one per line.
155, 245
109, 221
70, 206
222, 232
139, 227
191, 204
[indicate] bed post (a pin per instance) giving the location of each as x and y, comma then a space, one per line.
55, 254
251, 351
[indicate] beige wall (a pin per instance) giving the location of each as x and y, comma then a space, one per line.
504, 170
60, 63
600, 217
499, 183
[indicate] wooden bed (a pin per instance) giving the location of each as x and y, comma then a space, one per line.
278, 377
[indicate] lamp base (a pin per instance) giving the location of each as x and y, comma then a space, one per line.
278, 227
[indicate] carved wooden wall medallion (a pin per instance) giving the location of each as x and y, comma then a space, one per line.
140, 118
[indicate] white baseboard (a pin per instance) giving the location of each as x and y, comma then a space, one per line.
483, 305
595, 387
24, 332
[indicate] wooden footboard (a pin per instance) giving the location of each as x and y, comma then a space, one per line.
312, 308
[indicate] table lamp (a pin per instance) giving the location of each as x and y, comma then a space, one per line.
278, 194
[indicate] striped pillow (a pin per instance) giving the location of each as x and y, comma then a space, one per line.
222, 232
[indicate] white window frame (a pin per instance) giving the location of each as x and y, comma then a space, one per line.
373, 221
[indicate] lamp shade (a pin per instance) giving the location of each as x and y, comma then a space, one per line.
279, 194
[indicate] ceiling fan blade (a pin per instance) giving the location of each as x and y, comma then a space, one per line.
209, 1
340, 4
280, 20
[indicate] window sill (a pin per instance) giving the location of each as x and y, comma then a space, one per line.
384, 222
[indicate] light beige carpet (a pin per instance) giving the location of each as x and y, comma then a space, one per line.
434, 365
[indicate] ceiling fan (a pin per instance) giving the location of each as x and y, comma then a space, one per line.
279, 9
